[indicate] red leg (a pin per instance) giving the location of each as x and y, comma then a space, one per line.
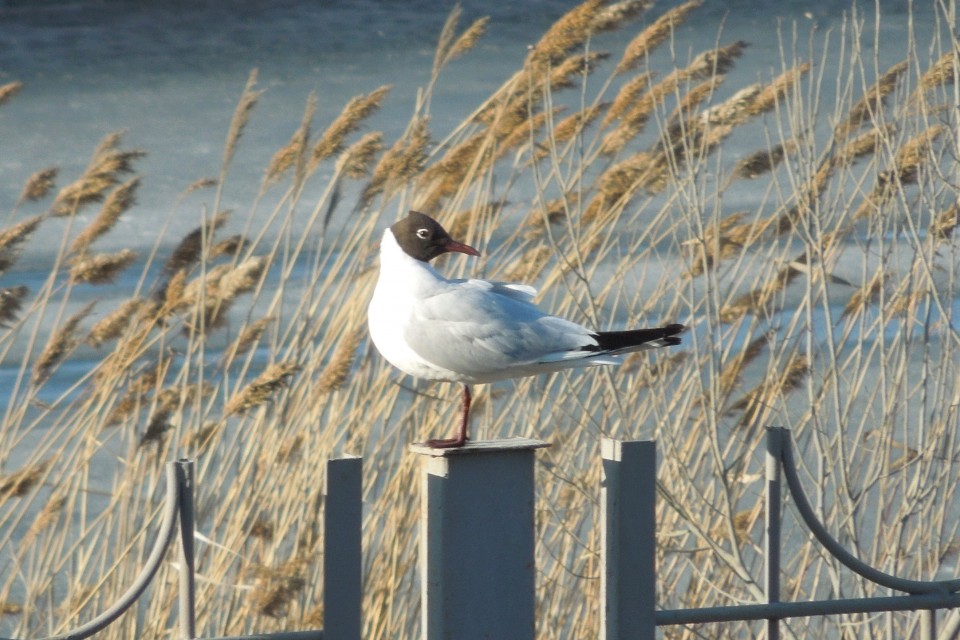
461, 439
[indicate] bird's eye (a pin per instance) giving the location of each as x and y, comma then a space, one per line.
423, 234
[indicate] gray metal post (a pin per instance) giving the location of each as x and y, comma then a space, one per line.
342, 564
187, 598
477, 540
928, 624
771, 537
628, 502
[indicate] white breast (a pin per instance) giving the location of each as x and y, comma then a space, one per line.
402, 282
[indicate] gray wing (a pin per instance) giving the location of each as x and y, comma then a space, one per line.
481, 329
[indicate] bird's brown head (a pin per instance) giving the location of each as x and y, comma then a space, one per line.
422, 237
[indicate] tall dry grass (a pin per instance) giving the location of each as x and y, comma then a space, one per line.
828, 305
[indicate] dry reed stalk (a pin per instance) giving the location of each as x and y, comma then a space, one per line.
713, 62
571, 30
290, 449
47, 517
704, 66
63, 340
158, 424
763, 161
357, 160
262, 529
168, 402
202, 183
807, 196
774, 92
864, 144
9, 90
716, 245
249, 336
944, 223
759, 299
450, 173
11, 302
573, 125
653, 36
115, 205
447, 34
913, 154
865, 296
276, 588
112, 326
217, 289
615, 15
172, 294
229, 247
189, 250
101, 175
570, 71
867, 107
241, 116
907, 162
200, 439
731, 111
778, 385
941, 73
691, 101
619, 182
732, 370
530, 265
263, 388
743, 523
468, 39
13, 238
524, 133
335, 374
39, 185
241, 279
21, 482
626, 97
102, 268
354, 113
294, 153
403, 161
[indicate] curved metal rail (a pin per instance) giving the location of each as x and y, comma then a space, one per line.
179, 474
836, 550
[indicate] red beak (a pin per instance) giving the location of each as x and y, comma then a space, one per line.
459, 247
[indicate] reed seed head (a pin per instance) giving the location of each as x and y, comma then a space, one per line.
354, 113
102, 268
654, 35
9, 90
262, 390
39, 185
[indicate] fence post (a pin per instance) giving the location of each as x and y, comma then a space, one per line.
187, 597
477, 540
772, 514
342, 531
628, 584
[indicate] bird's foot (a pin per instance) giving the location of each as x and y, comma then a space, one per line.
447, 443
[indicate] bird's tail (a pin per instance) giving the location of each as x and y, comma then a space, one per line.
615, 342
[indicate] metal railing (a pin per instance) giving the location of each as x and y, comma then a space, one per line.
638, 618
341, 558
466, 573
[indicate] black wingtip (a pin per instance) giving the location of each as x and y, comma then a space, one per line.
626, 341
670, 334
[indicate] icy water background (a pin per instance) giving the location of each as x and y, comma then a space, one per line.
169, 75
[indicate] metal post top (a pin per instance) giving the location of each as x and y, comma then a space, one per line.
479, 447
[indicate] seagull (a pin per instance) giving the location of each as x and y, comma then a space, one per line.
474, 331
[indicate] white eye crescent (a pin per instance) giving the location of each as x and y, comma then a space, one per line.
423, 234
